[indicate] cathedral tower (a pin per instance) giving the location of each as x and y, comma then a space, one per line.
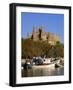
34, 29
42, 28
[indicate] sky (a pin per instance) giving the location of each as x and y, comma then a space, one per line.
53, 23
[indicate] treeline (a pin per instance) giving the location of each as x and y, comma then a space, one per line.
32, 49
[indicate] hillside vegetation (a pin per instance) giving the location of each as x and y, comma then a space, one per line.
32, 49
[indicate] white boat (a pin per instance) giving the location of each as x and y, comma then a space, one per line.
44, 65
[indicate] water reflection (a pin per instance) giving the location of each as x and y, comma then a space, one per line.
52, 71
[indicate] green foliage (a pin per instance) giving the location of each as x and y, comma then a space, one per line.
41, 48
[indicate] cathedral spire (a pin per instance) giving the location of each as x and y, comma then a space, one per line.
34, 29
42, 28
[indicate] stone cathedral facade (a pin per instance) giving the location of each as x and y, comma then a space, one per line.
40, 34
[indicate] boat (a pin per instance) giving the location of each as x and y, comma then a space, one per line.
58, 65
51, 65
37, 61
27, 65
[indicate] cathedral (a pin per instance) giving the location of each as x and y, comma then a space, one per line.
40, 34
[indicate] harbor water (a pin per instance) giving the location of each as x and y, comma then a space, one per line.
42, 71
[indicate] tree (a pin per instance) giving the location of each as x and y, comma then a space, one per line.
41, 48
